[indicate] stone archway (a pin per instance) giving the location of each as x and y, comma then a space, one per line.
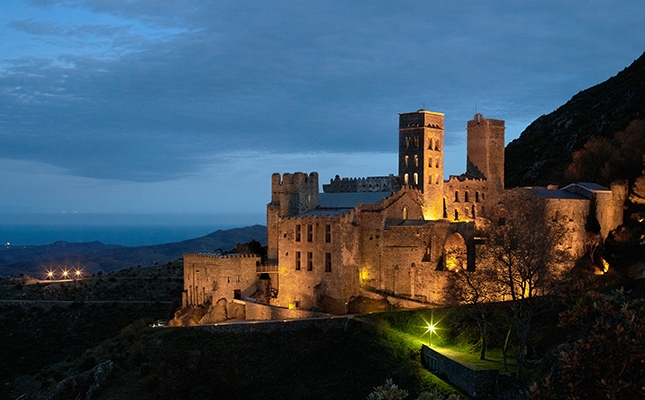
455, 253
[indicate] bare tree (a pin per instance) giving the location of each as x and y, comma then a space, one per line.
475, 288
524, 249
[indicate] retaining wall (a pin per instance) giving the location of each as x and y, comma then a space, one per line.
477, 383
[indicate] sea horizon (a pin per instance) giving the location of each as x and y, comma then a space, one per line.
121, 229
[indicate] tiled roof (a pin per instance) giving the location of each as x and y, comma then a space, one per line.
555, 194
592, 186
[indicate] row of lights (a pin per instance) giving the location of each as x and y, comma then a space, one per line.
65, 274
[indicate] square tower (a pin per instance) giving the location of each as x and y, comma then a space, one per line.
421, 136
485, 153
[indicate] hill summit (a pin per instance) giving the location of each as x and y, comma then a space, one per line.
543, 151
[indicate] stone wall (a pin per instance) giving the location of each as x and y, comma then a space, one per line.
477, 383
465, 198
293, 325
369, 184
486, 150
208, 278
264, 312
317, 262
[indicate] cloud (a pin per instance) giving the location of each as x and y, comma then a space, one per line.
150, 91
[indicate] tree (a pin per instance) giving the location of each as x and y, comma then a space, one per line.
605, 160
523, 249
605, 357
637, 196
475, 288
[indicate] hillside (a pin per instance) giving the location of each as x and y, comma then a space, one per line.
543, 151
93, 257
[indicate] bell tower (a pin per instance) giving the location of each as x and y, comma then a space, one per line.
421, 135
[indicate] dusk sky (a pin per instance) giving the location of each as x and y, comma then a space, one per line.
187, 107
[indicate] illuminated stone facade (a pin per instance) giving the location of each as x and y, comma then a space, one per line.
390, 235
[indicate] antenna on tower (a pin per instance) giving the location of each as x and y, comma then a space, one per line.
424, 106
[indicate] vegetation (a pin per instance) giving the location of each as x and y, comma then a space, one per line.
153, 363
603, 327
545, 149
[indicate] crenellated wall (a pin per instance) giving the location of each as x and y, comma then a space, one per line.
369, 184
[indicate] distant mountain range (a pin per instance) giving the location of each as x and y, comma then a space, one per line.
544, 150
93, 257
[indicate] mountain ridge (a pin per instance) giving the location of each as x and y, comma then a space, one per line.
96, 257
544, 149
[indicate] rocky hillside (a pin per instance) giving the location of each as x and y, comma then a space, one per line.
95, 256
543, 151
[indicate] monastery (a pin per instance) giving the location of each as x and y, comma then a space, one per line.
385, 236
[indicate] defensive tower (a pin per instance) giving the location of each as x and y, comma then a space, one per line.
421, 136
291, 195
485, 153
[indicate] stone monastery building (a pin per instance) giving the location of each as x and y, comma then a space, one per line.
385, 235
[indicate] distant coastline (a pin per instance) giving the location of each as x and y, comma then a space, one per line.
121, 229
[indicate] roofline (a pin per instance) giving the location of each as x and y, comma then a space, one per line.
423, 111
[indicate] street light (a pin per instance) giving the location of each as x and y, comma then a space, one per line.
65, 274
77, 273
431, 329
50, 274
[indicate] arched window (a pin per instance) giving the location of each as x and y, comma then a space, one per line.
405, 179
416, 178
477, 197
466, 197
405, 212
416, 160
406, 161
456, 215
445, 209
473, 211
456, 196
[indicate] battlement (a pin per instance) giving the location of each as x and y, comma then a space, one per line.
221, 256
295, 179
368, 184
462, 178
479, 119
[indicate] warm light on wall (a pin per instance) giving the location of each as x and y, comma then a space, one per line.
364, 275
432, 213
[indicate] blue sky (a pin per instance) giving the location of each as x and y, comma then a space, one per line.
188, 107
